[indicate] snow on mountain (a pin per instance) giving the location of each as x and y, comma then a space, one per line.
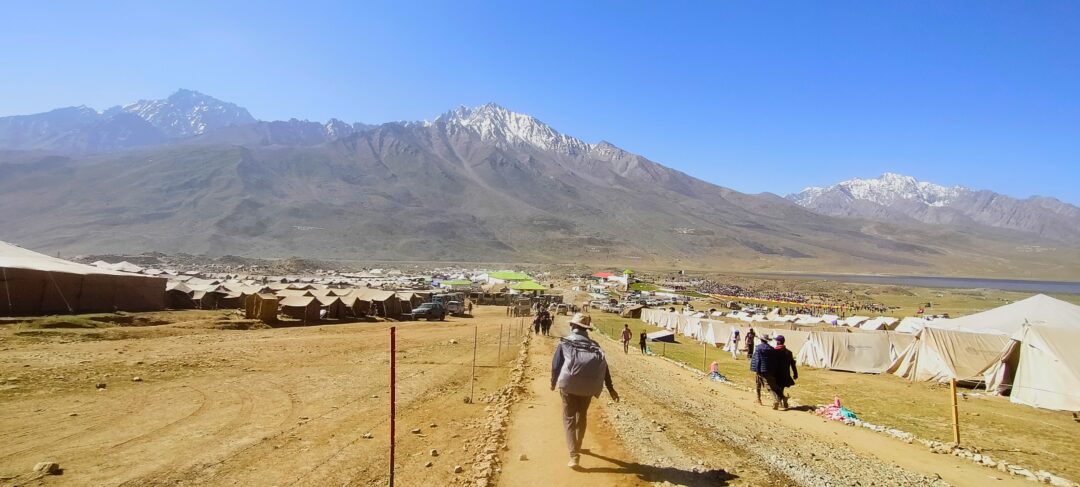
885, 190
894, 197
186, 113
495, 123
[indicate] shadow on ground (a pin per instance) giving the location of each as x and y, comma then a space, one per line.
650, 473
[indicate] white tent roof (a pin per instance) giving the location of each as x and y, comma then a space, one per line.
1010, 318
854, 320
15, 257
911, 324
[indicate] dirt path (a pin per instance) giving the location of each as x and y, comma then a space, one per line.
536, 431
721, 426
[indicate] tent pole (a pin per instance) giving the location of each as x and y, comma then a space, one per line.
472, 376
393, 397
955, 412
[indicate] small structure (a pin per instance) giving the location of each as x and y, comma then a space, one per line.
305, 308
263, 307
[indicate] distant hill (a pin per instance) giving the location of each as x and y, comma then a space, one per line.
476, 184
893, 196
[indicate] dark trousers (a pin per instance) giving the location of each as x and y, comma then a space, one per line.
536, 327
575, 414
644, 347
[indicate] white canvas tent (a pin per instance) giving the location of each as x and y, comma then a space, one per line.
1010, 318
939, 354
853, 352
1041, 367
879, 323
911, 325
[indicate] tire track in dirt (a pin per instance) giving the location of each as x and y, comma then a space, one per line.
99, 424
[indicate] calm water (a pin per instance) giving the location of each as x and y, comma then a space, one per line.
1065, 287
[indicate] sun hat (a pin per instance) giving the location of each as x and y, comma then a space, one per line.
582, 320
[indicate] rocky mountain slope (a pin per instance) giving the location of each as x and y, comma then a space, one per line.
476, 184
893, 196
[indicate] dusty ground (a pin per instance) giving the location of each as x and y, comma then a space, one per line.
251, 407
291, 406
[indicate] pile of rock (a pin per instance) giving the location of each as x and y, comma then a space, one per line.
1001, 465
487, 460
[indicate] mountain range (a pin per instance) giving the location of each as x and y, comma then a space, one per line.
197, 175
897, 197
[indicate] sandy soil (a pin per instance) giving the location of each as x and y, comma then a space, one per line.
292, 406
257, 407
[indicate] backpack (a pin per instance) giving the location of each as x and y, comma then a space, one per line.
584, 368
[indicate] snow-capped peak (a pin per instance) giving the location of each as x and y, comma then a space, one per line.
885, 190
188, 112
493, 122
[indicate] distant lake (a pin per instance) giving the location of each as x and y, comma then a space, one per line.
1061, 287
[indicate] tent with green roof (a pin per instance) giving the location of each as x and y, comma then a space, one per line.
510, 276
528, 286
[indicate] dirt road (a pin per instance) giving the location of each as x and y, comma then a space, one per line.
256, 407
673, 426
296, 406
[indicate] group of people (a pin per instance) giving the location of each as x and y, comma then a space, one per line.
542, 322
774, 367
580, 372
628, 335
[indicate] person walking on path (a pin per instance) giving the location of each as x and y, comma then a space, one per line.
580, 370
545, 322
750, 335
643, 341
626, 336
759, 364
782, 367
733, 343
538, 322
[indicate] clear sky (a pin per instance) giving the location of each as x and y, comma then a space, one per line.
746, 95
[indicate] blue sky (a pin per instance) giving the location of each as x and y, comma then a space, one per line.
752, 96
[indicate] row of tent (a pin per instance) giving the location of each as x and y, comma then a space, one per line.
304, 302
1026, 349
905, 325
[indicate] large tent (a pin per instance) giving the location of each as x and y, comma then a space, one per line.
304, 308
1010, 318
37, 284
853, 352
1041, 367
940, 354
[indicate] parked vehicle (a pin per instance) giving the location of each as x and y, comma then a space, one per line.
429, 311
455, 308
562, 309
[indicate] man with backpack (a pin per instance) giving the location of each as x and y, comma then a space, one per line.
580, 371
